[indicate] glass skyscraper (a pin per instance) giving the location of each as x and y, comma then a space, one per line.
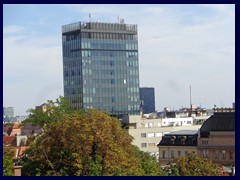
147, 97
100, 66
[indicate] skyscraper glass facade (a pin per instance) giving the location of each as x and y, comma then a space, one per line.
147, 97
100, 66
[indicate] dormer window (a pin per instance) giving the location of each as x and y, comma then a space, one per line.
182, 141
173, 139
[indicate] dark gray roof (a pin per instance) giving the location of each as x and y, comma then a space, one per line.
221, 121
183, 132
180, 138
30, 130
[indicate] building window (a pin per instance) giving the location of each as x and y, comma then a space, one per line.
146, 124
194, 141
151, 144
186, 153
189, 122
164, 154
143, 145
143, 135
182, 141
216, 154
150, 124
172, 154
205, 153
205, 142
231, 154
223, 154
179, 153
150, 135
158, 124
158, 134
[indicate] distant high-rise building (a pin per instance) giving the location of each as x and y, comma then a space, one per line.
100, 66
8, 111
147, 97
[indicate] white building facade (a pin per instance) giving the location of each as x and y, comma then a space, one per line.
148, 133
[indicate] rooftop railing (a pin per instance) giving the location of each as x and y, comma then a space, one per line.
99, 26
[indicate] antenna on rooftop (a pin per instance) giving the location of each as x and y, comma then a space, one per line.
89, 15
190, 114
118, 18
190, 98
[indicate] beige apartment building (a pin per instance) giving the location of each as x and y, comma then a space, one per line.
217, 138
177, 143
148, 133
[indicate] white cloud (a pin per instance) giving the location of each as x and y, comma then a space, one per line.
217, 7
179, 46
29, 69
153, 10
12, 29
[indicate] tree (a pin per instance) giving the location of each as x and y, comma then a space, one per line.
192, 165
149, 164
8, 154
55, 111
82, 143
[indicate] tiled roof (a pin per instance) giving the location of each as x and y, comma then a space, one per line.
27, 126
19, 150
221, 121
29, 130
5, 129
9, 140
16, 126
22, 149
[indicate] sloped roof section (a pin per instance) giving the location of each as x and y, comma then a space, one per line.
176, 138
220, 121
16, 126
9, 140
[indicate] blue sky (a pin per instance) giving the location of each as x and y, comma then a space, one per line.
179, 46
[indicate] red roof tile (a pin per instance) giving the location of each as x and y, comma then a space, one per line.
8, 140
16, 126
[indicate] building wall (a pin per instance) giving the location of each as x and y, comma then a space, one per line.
187, 121
100, 67
21, 140
16, 132
148, 133
168, 153
42, 108
218, 147
17, 170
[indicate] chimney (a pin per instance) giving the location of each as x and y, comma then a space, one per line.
17, 170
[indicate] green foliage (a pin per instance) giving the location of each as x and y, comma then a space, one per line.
8, 154
149, 164
55, 112
83, 143
9, 124
192, 165
87, 143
